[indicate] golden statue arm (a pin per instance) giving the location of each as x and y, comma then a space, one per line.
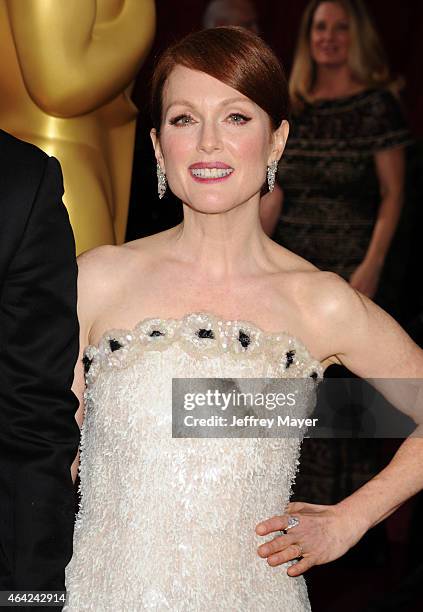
66, 52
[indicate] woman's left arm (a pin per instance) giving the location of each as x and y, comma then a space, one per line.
375, 347
390, 168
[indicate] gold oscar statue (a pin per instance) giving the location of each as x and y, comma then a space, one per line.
66, 73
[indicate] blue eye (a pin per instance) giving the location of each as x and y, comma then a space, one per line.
239, 119
181, 120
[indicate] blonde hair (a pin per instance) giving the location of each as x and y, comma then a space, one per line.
367, 58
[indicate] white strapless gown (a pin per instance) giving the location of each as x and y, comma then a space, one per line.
168, 523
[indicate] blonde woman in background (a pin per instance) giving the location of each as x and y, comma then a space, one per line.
343, 170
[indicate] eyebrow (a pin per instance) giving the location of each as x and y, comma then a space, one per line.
223, 103
337, 22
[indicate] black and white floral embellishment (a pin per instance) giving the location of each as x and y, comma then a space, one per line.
289, 358
244, 339
155, 333
201, 335
87, 363
205, 333
115, 345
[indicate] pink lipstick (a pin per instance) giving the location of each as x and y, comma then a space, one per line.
210, 172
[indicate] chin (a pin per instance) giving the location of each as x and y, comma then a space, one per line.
211, 208
212, 205
330, 61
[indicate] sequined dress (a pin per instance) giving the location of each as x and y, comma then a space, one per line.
169, 523
329, 178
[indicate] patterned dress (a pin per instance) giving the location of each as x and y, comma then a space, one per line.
328, 175
169, 523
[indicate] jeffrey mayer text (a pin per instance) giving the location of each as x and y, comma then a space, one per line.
248, 421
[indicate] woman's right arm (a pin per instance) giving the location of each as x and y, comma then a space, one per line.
78, 389
95, 269
86, 312
99, 273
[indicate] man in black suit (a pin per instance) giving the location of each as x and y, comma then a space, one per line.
38, 350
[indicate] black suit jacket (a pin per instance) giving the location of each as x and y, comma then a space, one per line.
38, 350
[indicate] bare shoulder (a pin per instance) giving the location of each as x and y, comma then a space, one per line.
106, 269
101, 277
327, 295
107, 276
318, 298
329, 305
97, 267
357, 332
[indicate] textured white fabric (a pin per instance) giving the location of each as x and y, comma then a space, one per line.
167, 523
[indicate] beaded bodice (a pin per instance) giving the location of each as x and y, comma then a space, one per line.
169, 523
201, 336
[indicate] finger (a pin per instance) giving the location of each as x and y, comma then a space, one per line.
292, 552
276, 523
301, 566
277, 544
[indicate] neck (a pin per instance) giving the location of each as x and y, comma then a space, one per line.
334, 82
223, 246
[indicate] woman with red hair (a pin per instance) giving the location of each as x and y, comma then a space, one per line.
177, 523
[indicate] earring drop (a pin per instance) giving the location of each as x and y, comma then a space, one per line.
161, 182
271, 174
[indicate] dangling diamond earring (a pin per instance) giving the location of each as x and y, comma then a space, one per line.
161, 182
271, 173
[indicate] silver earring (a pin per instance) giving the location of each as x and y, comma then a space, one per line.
161, 182
271, 174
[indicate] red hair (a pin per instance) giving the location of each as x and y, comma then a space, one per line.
233, 55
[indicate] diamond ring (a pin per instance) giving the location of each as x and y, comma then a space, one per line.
293, 521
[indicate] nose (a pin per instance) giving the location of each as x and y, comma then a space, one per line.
331, 33
327, 33
209, 138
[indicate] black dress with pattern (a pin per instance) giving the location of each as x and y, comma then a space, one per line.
329, 180
331, 200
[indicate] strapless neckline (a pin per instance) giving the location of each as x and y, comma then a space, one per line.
202, 334
205, 315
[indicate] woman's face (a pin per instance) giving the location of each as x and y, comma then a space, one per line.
215, 143
330, 35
